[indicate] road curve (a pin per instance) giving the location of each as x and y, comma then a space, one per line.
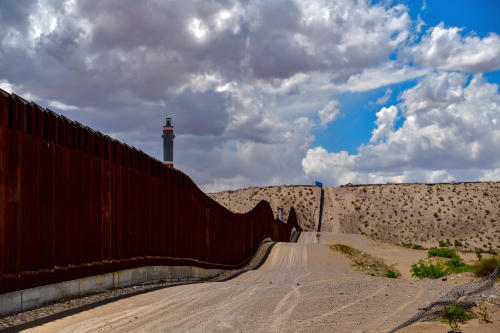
302, 286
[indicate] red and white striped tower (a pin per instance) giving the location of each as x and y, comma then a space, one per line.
168, 142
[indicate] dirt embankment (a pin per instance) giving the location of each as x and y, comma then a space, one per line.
423, 214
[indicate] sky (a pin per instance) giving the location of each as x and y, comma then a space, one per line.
271, 92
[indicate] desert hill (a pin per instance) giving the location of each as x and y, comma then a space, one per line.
305, 199
462, 214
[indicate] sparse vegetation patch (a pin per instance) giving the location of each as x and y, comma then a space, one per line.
436, 270
366, 263
486, 266
454, 315
442, 252
413, 246
424, 269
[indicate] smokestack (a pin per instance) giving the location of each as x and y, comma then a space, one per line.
168, 142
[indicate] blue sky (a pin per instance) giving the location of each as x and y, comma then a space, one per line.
354, 127
269, 92
474, 16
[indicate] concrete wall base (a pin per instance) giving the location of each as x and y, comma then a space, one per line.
23, 300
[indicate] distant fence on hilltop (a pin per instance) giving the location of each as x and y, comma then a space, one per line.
75, 203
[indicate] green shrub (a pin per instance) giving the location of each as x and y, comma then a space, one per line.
443, 243
455, 314
491, 251
458, 243
442, 252
413, 246
391, 274
418, 247
423, 269
478, 253
486, 266
482, 312
456, 265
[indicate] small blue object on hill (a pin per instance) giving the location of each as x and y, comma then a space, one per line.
318, 184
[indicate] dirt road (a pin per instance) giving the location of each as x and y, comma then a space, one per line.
302, 287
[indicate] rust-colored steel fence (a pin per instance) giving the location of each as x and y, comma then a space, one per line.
75, 202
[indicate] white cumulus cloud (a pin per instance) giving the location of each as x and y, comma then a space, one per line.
329, 113
385, 123
446, 49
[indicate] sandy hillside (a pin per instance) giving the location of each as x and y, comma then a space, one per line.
421, 214
305, 200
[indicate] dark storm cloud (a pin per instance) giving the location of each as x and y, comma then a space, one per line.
200, 113
15, 14
273, 52
145, 47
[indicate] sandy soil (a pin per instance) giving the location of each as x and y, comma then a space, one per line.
302, 287
421, 214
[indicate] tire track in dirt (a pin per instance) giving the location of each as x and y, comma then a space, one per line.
378, 322
343, 307
278, 313
282, 316
115, 321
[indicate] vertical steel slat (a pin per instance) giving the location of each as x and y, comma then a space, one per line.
113, 200
44, 194
37, 121
58, 203
96, 208
146, 216
78, 204
106, 209
126, 216
12, 114
86, 198
184, 219
29, 260
20, 104
28, 114
4, 107
9, 201
166, 213
5, 233
176, 220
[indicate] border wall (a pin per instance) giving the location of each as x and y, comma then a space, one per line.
77, 203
